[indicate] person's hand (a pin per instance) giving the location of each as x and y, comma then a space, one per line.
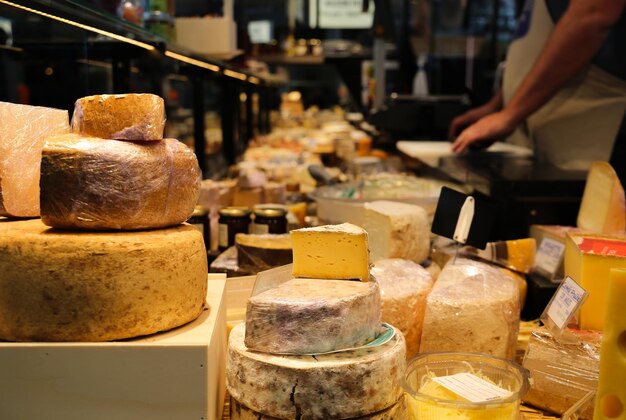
470, 117
488, 129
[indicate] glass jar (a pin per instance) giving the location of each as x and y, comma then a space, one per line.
200, 220
270, 220
232, 220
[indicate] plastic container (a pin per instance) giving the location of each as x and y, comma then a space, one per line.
501, 372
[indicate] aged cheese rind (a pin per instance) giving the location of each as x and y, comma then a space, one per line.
398, 411
333, 386
24, 130
135, 117
472, 308
91, 183
66, 286
397, 230
331, 252
404, 287
305, 316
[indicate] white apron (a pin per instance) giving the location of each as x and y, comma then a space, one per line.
580, 123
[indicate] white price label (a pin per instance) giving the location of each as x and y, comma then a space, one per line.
549, 256
472, 388
568, 297
223, 235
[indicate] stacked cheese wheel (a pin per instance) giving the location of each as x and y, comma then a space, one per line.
300, 354
98, 274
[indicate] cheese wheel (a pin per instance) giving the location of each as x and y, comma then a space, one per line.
24, 130
398, 411
67, 286
304, 316
332, 386
120, 117
91, 183
404, 286
473, 307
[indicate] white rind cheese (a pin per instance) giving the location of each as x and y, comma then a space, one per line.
331, 252
472, 307
404, 286
397, 230
399, 411
91, 183
120, 117
333, 386
67, 286
24, 130
304, 316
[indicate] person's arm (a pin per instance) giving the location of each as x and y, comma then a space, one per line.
475, 114
576, 38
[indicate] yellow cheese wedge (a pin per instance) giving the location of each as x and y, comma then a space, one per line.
588, 259
611, 395
603, 207
331, 252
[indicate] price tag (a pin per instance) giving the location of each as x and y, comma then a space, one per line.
569, 297
472, 388
549, 256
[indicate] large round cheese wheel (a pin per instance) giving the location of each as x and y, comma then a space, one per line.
67, 286
91, 183
398, 411
331, 386
120, 117
304, 316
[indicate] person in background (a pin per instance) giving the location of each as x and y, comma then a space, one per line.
564, 87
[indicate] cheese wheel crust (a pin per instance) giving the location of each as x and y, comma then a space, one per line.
135, 117
67, 286
90, 183
332, 386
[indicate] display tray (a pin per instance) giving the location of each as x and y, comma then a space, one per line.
171, 375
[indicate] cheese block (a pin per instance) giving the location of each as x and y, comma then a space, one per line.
398, 411
66, 286
588, 259
404, 286
24, 130
603, 206
136, 117
261, 252
397, 230
331, 252
304, 316
331, 386
611, 394
551, 265
91, 183
517, 254
563, 371
474, 308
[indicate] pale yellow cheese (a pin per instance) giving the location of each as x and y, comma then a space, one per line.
611, 395
588, 260
66, 286
24, 130
603, 207
331, 252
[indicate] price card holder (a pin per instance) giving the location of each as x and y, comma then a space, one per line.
563, 306
549, 258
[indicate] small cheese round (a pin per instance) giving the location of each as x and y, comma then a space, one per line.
91, 183
66, 286
304, 316
331, 386
404, 286
398, 411
120, 117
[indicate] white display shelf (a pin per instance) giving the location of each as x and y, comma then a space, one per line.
178, 374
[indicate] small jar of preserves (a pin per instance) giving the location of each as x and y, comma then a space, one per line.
270, 220
200, 220
232, 220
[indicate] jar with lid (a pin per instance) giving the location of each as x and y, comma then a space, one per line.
232, 220
200, 220
270, 220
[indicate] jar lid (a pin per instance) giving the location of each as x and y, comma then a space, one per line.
200, 211
270, 212
235, 212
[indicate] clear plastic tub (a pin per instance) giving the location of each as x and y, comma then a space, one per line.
428, 402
